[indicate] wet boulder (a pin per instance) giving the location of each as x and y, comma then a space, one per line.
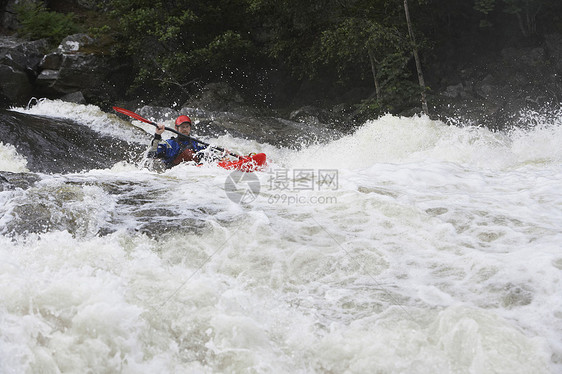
19, 64
74, 68
51, 145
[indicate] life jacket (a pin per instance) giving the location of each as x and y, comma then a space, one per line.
187, 151
176, 150
186, 155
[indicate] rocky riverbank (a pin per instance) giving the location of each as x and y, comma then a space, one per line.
71, 72
490, 91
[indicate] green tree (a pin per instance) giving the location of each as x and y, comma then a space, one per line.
350, 43
289, 31
38, 23
371, 47
334, 44
526, 12
421, 78
179, 43
485, 7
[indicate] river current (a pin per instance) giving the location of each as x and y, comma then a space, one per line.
409, 246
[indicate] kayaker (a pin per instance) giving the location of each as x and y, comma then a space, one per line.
178, 149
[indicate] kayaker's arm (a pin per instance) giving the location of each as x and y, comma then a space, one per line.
160, 129
152, 152
154, 144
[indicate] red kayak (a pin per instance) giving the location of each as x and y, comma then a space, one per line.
246, 163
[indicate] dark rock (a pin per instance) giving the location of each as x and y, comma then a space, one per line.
455, 91
19, 62
316, 116
47, 77
8, 19
72, 69
524, 57
494, 91
67, 70
77, 72
75, 97
15, 85
74, 43
486, 87
51, 61
62, 146
306, 114
218, 97
20, 54
158, 114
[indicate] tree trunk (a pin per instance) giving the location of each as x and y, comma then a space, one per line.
374, 71
416, 58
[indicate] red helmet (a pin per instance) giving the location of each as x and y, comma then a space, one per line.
182, 119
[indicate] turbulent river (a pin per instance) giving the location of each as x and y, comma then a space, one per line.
409, 246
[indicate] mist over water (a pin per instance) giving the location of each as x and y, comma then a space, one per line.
409, 246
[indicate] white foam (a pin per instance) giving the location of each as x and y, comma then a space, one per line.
88, 115
393, 139
438, 252
11, 160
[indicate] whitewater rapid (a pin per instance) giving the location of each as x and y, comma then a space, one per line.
409, 246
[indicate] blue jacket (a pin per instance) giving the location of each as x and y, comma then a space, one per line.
169, 150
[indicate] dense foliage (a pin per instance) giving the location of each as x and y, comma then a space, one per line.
328, 45
325, 49
37, 22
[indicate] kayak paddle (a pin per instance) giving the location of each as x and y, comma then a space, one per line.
136, 116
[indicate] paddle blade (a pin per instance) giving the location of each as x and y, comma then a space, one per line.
132, 114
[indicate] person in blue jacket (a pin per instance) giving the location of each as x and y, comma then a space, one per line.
178, 149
